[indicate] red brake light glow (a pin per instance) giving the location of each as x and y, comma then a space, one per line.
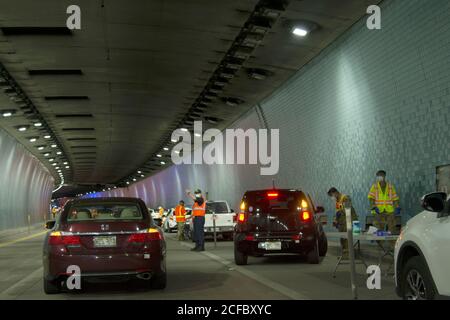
241, 217
305, 216
150, 235
272, 194
56, 238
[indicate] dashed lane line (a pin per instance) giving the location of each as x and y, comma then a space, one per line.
252, 275
8, 243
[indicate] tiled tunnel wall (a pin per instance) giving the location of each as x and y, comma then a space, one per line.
374, 99
25, 186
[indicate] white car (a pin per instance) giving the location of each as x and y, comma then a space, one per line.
422, 252
156, 216
170, 222
225, 219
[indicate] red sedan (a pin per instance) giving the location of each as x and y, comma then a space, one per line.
104, 237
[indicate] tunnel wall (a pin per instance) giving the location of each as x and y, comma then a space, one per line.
374, 99
25, 185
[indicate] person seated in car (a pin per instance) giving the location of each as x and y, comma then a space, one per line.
94, 213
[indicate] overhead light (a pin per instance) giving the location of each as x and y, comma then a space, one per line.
177, 152
197, 134
134, 179
162, 162
300, 31
142, 176
46, 154
59, 152
65, 163
33, 139
166, 149
47, 136
57, 168
174, 140
41, 148
159, 156
7, 113
22, 128
38, 124
184, 130
139, 172
54, 164
51, 160
53, 146
67, 167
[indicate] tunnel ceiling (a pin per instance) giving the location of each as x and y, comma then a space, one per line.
112, 92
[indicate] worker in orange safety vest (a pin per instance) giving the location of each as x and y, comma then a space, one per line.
180, 215
198, 219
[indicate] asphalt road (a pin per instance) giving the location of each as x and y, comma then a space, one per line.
208, 275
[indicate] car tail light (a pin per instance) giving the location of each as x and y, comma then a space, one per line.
241, 217
297, 237
272, 195
305, 216
57, 238
151, 235
234, 217
249, 237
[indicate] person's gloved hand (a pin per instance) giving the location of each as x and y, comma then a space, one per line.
377, 211
397, 210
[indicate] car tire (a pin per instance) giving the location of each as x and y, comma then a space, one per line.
159, 281
51, 287
313, 256
240, 258
416, 267
323, 247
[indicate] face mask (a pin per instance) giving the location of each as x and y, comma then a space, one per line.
198, 195
333, 198
380, 178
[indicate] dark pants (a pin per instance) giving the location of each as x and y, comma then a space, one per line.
199, 232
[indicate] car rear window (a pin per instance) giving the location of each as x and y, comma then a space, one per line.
277, 202
217, 207
110, 211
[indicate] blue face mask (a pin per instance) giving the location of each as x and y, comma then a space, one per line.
198, 195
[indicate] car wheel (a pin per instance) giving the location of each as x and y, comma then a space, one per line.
159, 281
240, 258
323, 248
313, 255
51, 287
416, 280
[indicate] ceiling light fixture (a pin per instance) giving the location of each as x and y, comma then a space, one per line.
38, 124
22, 128
300, 31
33, 139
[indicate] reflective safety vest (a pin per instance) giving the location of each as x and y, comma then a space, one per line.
180, 213
384, 201
199, 210
340, 203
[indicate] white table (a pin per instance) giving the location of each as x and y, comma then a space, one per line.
357, 238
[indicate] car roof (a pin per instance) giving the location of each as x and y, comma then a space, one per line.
104, 200
272, 189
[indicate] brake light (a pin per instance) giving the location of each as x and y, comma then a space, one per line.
297, 237
241, 217
305, 216
234, 218
57, 238
249, 237
151, 235
272, 194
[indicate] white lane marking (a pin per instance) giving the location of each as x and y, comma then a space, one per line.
254, 276
20, 287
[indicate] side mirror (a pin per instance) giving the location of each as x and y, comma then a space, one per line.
434, 202
320, 209
231, 211
50, 224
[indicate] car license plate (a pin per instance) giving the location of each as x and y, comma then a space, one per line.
103, 242
270, 245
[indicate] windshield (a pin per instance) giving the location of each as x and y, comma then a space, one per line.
284, 202
110, 211
217, 207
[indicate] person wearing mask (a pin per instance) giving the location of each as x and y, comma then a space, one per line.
384, 202
198, 219
342, 201
180, 215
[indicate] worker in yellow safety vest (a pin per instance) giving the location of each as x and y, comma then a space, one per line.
180, 215
198, 219
384, 202
340, 222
